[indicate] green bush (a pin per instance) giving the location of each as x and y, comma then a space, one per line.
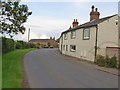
10, 45
106, 61
100, 60
22, 45
112, 62
18, 45
7, 45
31, 45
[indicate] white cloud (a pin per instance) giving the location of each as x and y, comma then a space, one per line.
44, 27
44, 36
25, 36
50, 26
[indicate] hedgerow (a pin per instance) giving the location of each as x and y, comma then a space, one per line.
10, 45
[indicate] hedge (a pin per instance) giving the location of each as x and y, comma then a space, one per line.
10, 45
23, 45
7, 45
18, 45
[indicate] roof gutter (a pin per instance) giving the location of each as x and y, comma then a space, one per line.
77, 28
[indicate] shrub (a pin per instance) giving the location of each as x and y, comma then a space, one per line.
112, 62
18, 45
106, 61
7, 45
24, 45
10, 45
31, 45
101, 60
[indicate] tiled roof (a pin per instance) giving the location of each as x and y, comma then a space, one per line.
90, 23
39, 40
95, 22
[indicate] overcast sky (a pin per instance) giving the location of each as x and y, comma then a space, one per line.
51, 18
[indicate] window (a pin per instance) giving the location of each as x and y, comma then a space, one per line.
73, 34
86, 34
116, 21
65, 36
66, 47
72, 48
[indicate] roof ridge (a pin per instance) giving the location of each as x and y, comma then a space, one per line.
38, 39
100, 19
91, 23
109, 16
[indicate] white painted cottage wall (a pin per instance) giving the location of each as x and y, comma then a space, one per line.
85, 49
107, 35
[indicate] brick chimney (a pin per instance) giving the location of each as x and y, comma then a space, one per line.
94, 14
53, 38
75, 23
70, 27
50, 38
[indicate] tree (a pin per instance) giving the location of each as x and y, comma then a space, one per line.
12, 18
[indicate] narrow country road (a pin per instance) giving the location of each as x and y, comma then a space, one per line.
47, 68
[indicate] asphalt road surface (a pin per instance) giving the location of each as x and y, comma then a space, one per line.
47, 68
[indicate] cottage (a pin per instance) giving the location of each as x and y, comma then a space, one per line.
99, 36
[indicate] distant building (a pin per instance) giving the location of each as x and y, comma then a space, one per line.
96, 37
41, 43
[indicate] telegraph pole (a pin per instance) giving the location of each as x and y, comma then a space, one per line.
28, 34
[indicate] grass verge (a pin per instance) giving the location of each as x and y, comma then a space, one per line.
12, 69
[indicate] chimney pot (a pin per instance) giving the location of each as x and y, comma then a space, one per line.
96, 9
54, 38
75, 23
50, 37
92, 7
94, 14
76, 20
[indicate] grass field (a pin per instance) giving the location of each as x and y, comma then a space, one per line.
12, 69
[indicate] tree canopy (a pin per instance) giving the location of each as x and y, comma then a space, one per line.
12, 18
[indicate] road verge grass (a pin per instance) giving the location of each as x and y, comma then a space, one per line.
12, 69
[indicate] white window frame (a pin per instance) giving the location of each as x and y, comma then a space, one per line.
86, 34
72, 48
73, 34
65, 36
